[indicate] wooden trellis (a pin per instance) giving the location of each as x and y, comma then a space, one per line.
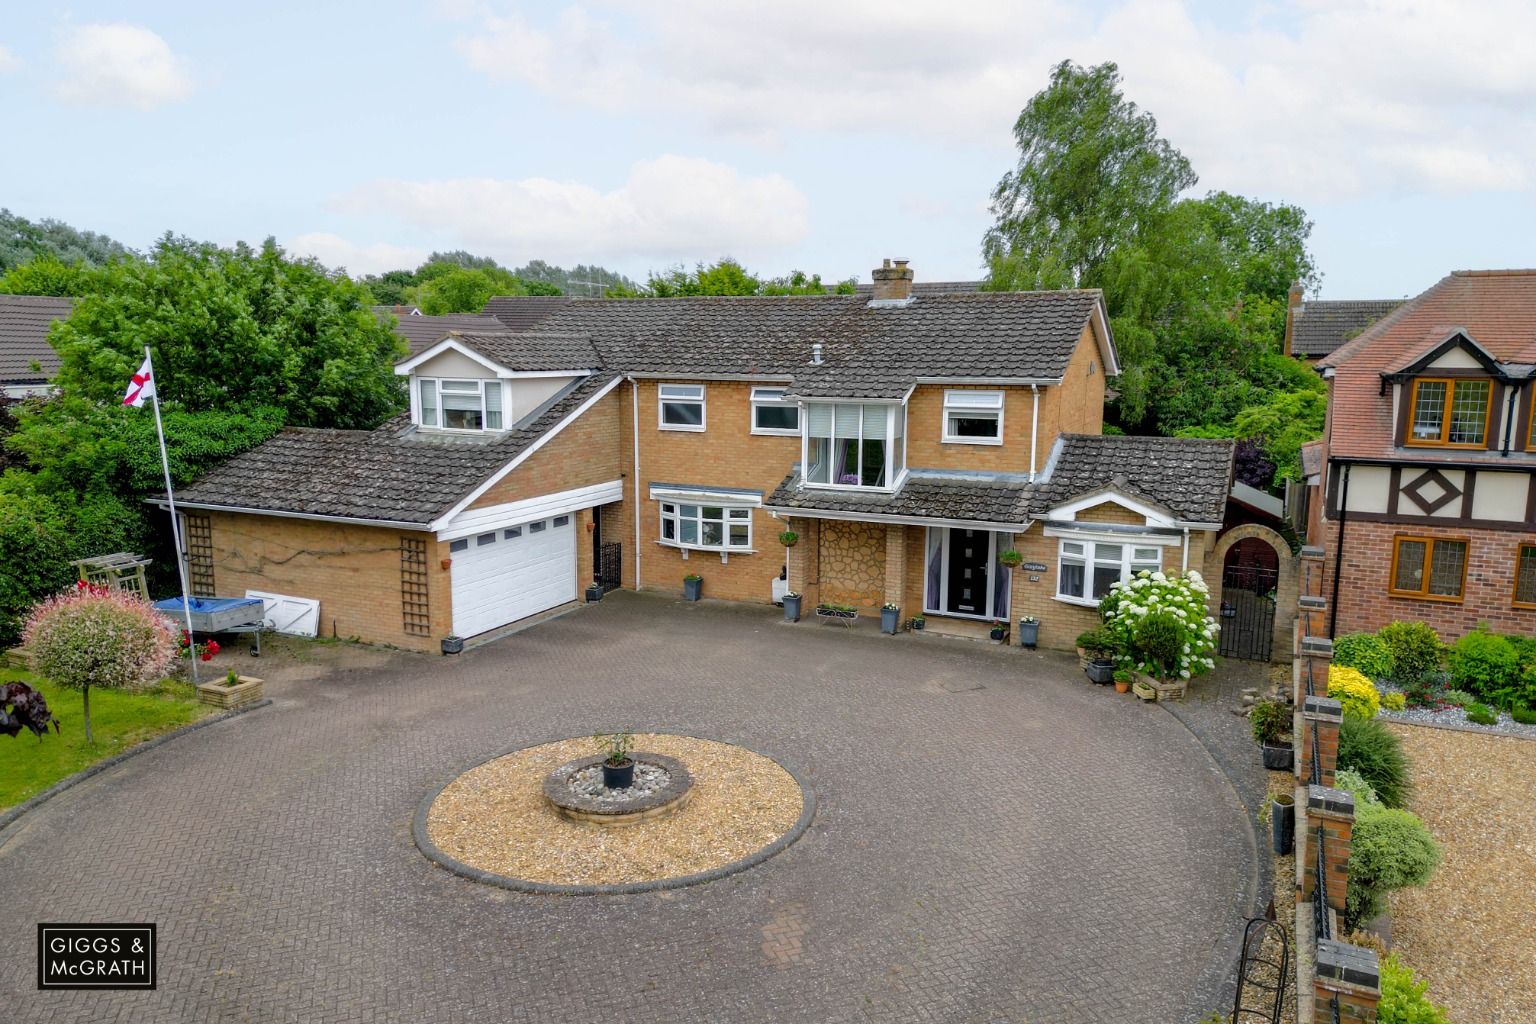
119, 571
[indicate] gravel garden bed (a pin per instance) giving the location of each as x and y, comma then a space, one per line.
1453, 716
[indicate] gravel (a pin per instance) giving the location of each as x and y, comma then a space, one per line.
494, 817
1469, 933
649, 779
1453, 716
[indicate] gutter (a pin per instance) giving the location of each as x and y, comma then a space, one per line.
392, 524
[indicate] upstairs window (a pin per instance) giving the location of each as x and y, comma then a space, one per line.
1429, 567
460, 404
680, 406
1450, 413
771, 414
973, 417
850, 444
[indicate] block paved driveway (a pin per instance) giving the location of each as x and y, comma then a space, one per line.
1036, 849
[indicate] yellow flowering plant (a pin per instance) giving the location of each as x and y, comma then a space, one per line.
1352, 689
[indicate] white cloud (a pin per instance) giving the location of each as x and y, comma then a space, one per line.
670, 208
338, 253
1315, 99
120, 66
9, 62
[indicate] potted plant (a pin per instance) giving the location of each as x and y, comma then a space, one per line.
844, 613
890, 618
999, 632
233, 691
792, 607
789, 538
917, 622
594, 592
618, 766
1146, 691
1271, 721
452, 644
1029, 631
1011, 558
1097, 649
693, 587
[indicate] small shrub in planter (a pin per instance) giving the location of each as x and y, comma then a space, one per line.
1364, 651
917, 622
1481, 714
1394, 701
1413, 647
618, 766
1373, 750
1270, 721
1358, 694
1099, 642
999, 630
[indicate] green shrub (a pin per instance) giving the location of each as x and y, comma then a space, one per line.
1414, 648
1485, 664
1163, 623
1350, 688
1481, 714
1403, 1001
1100, 640
1394, 701
1523, 714
1427, 690
1364, 651
1375, 752
1389, 849
1159, 638
1353, 783
1457, 698
1270, 719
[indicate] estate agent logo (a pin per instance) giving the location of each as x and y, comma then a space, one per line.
96, 956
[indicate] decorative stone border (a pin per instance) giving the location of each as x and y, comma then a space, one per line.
431, 852
660, 804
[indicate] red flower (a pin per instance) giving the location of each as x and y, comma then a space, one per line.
213, 647
207, 656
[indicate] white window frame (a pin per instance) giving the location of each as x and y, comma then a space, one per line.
895, 434
671, 512
1088, 557
680, 394
773, 398
482, 384
973, 405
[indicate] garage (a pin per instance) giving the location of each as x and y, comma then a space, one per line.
511, 573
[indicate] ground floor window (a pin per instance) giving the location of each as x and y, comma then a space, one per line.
706, 526
1087, 569
1429, 567
962, 575
1525, 576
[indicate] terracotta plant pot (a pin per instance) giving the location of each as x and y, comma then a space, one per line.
1122, 686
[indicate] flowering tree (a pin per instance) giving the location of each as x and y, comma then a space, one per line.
1163, 624
94, 636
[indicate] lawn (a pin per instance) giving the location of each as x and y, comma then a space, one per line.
118, 721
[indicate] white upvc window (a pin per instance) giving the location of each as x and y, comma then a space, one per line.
1087, 569
680, 407
973, 417
771, 414
853, 444
469, 405
716, 527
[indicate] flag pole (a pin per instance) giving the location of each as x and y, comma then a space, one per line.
170, 497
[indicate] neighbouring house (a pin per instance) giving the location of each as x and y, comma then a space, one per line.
27, 361
1423, 490
1315, 329
908, 439
419, 330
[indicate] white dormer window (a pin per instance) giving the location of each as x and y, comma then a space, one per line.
973, 417
470, 405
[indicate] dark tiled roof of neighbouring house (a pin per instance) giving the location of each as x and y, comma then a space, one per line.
1191, 477
531, 353
24, 324
523, 312
922, 288
392, 473
927, 494
421, 331
867, 352
397, 310
1318, 328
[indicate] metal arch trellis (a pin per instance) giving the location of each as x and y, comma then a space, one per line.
1257, 999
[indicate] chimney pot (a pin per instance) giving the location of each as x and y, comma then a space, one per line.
892, 283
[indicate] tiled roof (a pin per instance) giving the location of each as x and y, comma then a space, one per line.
867, 352
1496, 309
421, 331
24, 323
1312, 458
926, 288
927, 494
523, 312
1318, 328
530, 353
393, 473
1191, 477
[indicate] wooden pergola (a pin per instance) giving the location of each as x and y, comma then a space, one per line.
120, 570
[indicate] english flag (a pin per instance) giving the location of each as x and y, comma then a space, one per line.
141, 387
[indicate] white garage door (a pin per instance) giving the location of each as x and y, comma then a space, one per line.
509, 574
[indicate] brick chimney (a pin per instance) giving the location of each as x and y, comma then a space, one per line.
892, 282
1292, 304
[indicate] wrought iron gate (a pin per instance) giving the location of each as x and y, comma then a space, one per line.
1248, 611
610, 565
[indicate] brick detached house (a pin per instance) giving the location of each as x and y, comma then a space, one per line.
1424, 486
907, 438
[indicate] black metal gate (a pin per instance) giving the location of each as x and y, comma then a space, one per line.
1248, 611
610, 565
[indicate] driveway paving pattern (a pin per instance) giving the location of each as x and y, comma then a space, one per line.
996, 840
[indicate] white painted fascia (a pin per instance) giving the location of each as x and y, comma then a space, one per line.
787, 512
450, 343
695, 496
514, 513
1107, 350
523, 456
1068, 511
1086, 532
244, 510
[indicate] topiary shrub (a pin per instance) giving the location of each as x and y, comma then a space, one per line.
1159, 639
1389, 849
1414, 648
1394, 701
1358, 694
1373, 750
1481, 714
1485, 664
1403, 1001
1364, 651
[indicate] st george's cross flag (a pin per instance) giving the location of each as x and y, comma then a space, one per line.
141, 387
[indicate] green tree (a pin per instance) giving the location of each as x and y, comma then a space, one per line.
22, 240
49, 275
391, 288
582, 279
726, 277
463, 290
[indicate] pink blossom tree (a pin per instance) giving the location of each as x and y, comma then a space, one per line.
93, 636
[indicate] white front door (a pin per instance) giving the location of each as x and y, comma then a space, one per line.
508, 574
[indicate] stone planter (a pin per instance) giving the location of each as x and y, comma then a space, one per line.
917, 622
453, 644
1101, 671
594, 593
890, 620
1170, 689
1279, 758
246, 691
792, 607
1144, 691
693, 589
1029, 634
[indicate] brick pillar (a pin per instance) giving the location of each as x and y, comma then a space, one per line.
1313, 612
805, 562
895, 563
1334, 809
585, 570
1352, 975
1323, 716
1314, 657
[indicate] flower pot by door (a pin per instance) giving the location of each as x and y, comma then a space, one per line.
693, 589
792, 607
1282, 822
619, 776
889, 617
1279, 758
594, 594
453, 644
1122, 685
1029, 634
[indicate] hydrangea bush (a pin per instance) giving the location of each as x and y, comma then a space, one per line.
1150, 607
95, 636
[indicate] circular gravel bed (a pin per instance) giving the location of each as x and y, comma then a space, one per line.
494, 824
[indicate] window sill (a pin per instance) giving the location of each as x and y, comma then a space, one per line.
1081, 602
685, 430
1407, 596
994, 441
1446, 444
765, 432
851, 488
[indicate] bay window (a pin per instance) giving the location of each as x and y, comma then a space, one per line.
1087, 569
853, 444
459, 404
720, 527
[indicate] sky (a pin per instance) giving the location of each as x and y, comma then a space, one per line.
804, 134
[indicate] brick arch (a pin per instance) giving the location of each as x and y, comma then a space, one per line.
1286, 586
